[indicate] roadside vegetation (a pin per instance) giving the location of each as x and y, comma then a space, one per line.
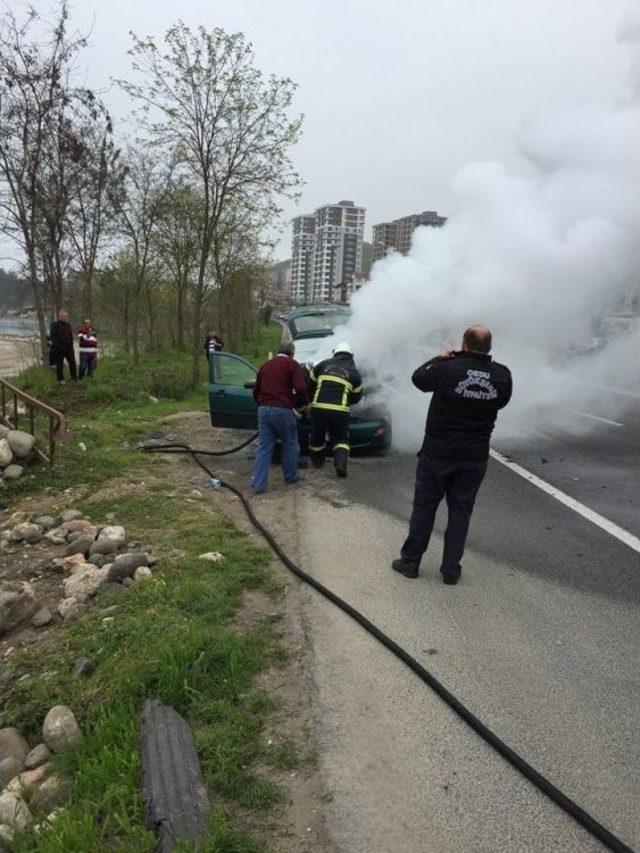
173, 637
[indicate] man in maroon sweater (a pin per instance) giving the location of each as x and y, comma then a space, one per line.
280, 386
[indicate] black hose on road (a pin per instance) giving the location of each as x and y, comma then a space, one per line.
515, 760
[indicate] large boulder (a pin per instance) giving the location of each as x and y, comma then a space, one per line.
43, 617
45, 521
114, 533
125, 565
31, 533
17, 603
12, 744
14, 811
6, 453
22, 443
60, 729
85, 582
27, 780
79, 524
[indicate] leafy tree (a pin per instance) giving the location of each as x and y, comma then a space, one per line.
203, 97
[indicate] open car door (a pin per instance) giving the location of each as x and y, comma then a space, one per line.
231, 381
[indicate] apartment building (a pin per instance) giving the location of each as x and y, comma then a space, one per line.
398, 233
328, 245
302, 258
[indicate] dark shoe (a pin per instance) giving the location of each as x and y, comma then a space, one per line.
409, 570
341, 472
450, 579
303, 463
293, 482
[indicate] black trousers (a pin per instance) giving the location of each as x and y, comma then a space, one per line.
58, 357
336, 425
458, 482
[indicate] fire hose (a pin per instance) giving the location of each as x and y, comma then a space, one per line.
569, 806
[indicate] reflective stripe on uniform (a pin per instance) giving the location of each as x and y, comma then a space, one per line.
328, 377
332, 407
341, 445
318, 449
357, 390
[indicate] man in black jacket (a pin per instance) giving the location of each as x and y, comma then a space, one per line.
336, 386
61, 341
468, 390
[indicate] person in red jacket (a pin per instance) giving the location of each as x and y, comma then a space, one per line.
87, 348
280, 387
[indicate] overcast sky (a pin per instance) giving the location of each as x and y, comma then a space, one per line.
397, 94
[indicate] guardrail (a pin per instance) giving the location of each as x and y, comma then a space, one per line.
11, 415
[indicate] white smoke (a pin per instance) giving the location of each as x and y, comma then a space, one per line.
536, 257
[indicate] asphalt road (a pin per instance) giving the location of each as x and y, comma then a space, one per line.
541, 639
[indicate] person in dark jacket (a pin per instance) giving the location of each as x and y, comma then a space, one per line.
468, 391
336, 386
212, 343
280, 387
61, 342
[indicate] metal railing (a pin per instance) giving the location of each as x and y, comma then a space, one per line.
11, 413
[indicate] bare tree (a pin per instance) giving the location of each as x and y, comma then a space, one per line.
96, 199
205, 98
34, 74
147, 184
178, 246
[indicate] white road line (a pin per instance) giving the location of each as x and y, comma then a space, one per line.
592, 516
593, 417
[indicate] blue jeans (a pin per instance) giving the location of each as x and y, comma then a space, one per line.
275, 422
458, 482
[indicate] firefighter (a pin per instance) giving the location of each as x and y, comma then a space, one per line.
335, 386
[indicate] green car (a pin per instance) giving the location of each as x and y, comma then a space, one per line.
231, 404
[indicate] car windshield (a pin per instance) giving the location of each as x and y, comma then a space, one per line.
317, 323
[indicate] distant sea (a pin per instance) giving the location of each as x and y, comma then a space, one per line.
18, 326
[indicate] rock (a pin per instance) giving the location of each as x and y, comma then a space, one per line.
51, 794
10, 767
22, 443
125, 565
99, 560
39, 755
60, 729
56, 537
212, 556
83, 668
153, 399
85, 582
6, 453
80, 545
114, 533
32, 533
14, 811
6, 837
77, 524
12, 472
103, 547
127, 581
45, 521
69, 607
152, 560
142, 573
17, 603
68, 564
43, 617
71, 515
13, 744
27, 780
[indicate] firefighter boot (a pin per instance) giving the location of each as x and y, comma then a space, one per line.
341, 459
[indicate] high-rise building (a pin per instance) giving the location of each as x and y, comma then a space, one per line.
302, 254
327, 251
398, 233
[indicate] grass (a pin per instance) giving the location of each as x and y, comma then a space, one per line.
172, 638
114, 411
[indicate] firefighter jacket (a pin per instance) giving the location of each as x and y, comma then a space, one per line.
335, 383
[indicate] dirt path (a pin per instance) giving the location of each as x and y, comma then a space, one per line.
300, 825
